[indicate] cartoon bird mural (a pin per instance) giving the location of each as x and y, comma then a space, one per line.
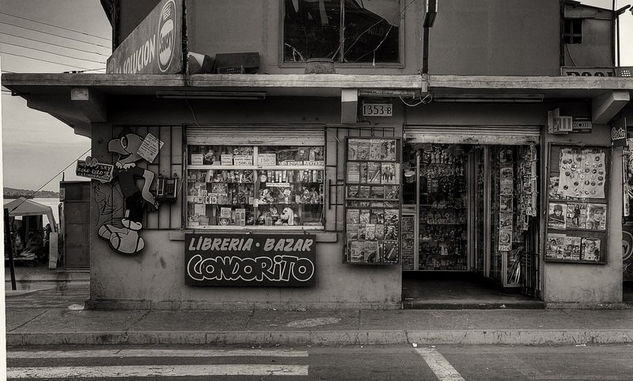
125, 239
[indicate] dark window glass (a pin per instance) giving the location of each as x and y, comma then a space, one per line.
371, 31
573, 31
312, 30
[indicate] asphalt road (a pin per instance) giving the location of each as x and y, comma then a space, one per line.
394, 362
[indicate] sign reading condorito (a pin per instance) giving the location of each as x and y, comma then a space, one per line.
250, 260
155, 46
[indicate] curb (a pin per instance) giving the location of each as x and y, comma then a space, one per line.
345, 337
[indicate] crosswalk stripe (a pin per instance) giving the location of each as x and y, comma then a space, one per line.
127, 353
443, 370
158, 371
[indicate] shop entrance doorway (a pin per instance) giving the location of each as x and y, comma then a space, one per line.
470, 226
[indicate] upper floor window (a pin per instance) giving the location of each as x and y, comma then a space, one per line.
349, 31
572, 33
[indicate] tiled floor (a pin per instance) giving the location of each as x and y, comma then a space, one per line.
459, 290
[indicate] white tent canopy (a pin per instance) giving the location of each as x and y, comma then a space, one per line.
26, 207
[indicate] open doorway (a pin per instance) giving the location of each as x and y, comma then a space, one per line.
470, 226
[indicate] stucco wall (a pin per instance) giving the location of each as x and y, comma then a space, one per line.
491, 37
496, 37
217, 26
155, 278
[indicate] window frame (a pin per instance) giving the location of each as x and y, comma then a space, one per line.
255, 167
570, 35
364, 65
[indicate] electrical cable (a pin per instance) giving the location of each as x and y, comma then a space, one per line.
48, 52
56, 35
39, 59
50, 43
53, 178
426, 100
55, 26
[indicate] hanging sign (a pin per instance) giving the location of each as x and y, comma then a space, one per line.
155, 46
618, 133
92, 169
276, 260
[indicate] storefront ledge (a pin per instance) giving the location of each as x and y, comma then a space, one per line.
341, 337
320, 236
588, 306
187, 305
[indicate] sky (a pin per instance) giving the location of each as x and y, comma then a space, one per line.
37, 146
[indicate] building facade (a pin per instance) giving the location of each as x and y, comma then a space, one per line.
298, 153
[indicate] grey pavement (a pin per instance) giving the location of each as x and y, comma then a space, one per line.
54, 316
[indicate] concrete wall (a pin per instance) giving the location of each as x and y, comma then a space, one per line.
597, 44
496, 37
218, 26
155, 278
491, 37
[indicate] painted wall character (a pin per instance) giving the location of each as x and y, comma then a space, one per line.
125, 238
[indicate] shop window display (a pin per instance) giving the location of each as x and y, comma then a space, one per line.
255, 186
443, 208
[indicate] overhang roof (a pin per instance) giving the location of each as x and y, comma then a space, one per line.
51, 93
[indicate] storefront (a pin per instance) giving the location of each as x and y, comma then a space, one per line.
278, 202
471, 196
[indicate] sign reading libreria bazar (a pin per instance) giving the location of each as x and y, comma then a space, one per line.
250, 260
155, 46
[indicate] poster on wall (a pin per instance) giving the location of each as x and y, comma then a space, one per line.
270, 260
372, 201
577, 205
582, 173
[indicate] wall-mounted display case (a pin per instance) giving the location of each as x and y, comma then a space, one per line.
372, 201
577, 205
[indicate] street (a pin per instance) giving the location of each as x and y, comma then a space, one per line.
393, 362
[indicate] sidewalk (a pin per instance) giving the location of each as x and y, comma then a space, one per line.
35, 278
44, 317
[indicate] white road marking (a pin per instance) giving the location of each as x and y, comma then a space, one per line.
443, 370
129, 353
158, 371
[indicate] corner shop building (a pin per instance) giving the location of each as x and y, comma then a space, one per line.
306, 122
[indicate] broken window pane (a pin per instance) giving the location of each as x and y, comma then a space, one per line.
311, 29
372, 30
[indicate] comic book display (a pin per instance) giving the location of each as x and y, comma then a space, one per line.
242, 186
372, 201
577, 205
443, 208
408, 242
514, 204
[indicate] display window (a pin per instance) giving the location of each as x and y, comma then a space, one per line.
254, 186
